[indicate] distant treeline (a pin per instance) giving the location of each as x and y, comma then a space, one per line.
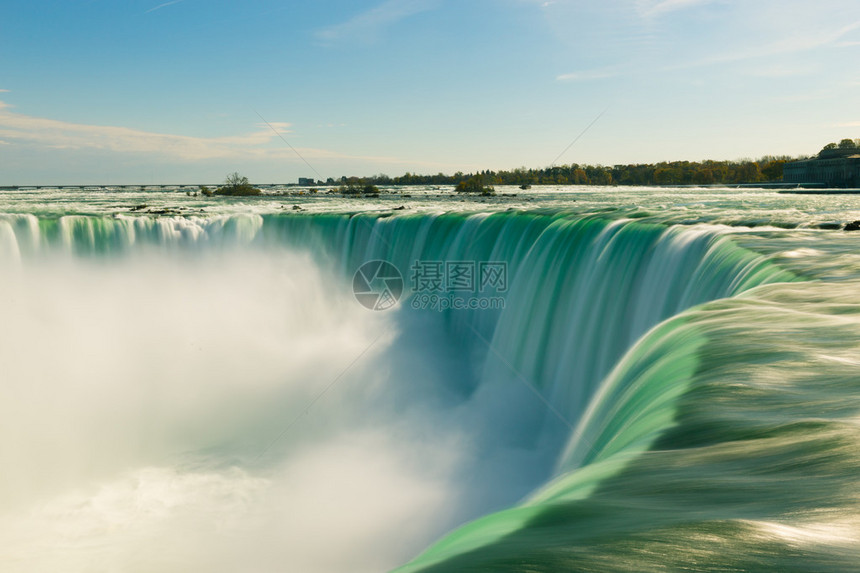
674, 173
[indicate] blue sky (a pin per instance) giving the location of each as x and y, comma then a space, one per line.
110, 91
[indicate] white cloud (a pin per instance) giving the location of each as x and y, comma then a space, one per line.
815, 40
849, 124
806, 96
261, 144
368, 25
783, 70
2, 91
729, 31
160, 6
777, 44
56, 134
587, 75
664, 6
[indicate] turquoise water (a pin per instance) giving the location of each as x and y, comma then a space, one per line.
670, 383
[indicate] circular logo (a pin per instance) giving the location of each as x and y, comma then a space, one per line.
377, 285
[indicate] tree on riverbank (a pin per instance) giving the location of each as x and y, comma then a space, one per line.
763, 170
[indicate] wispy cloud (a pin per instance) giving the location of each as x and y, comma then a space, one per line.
588, 75
816, 95
718, 32
57, 134
160, 6
651, 8
796, 43
849, 124
4, 91
823, 38
263, 143
367, 26
779, 71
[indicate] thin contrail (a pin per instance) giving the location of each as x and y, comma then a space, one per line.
288, 144
579, 136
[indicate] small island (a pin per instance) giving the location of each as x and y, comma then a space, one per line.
475, 184
235, 185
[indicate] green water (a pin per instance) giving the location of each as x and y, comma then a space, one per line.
757, 470
679, 368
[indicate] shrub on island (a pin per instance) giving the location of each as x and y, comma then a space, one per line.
236, 185
358, 189
475, 184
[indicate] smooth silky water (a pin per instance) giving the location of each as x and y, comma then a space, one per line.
671, 384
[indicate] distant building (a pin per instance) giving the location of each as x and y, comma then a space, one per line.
832, 168
306, 181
